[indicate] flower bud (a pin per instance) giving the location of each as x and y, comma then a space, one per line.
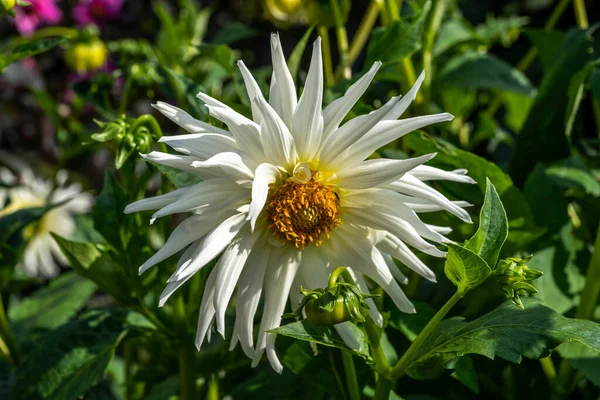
514, 276
86, 56
7, 6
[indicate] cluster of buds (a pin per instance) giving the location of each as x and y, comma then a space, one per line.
514, 277
130, 135
339, 302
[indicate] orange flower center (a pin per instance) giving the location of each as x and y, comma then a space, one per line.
302, 213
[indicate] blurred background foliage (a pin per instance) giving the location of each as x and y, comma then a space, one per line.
522, 78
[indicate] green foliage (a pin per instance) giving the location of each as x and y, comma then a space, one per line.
28, 48
399, 40
293, 61
108, 213
464, 268
507, 332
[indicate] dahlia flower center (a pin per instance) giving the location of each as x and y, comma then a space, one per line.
303, 211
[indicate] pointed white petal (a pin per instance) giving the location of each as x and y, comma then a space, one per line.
414, 187
400, 251
207, 309
398, 275
381, 171
200, 145
383, 133
351, 131
250, 287
229, 164
230, 267
211, 101
276, 138
156, 202
427, 173
281, 272
403, 104
335, 112
183, 163
252, 88
282, 95
308, 119
264, 175
186, 121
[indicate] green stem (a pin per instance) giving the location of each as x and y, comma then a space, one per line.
549, 370
342, 39
186, 353
437, 13
327, 64
150, 123
8, 345
392, 8
580, 13
532, 53
351, 379
213, 389
383, 389
364, 30
125, 95
382, 366
400, 368
336, 274
585, 310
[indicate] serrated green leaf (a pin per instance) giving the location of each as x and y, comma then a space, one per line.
583, 358
293, 61
506, 332
493, 228
400, 39
473, 70
465, 373
109, 219
464, 268
451, 33
51, 306
70, 360
548, 204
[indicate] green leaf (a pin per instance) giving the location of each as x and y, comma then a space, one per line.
507, 332
109, 219
293, 62
583, 358
465, 373
319, 334
543, 136
29, 48
547, 43
70, 360
517, 109
506, 30
184, 86
575, 93
548, 204
87, 261
464, 268
473, 70
51, 306
570, 176
493, 228
400, 39
451, 33
234, 32
411, 324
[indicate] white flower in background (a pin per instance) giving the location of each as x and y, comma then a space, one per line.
42, 255
289, 195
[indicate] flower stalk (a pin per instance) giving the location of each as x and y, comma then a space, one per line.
327, 64
8, 346
437, 13
351, 379
342, 40
364, 30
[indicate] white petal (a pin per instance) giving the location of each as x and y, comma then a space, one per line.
400, 251
250, 287
211, 101
308, 119
245, 131
186, 121
281, 271
190, 230
183, 163
403, 104
398, 275
207, 309
156, 202
229, 164
230, 265
381, 171
200, 145
282, 84
335, 112
351, 131
211, 246
427, 173
383, 133
252, 88
264, 175
412, 186
276, 138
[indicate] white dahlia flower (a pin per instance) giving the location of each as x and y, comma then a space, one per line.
289, 195
42, 256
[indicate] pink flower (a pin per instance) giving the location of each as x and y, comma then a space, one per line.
96, 11
29, 18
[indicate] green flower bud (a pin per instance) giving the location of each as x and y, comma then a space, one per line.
514, 276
